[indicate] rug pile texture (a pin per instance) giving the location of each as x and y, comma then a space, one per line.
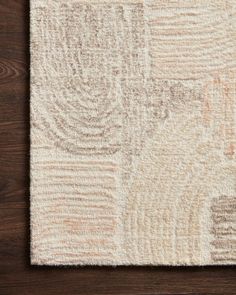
133, 132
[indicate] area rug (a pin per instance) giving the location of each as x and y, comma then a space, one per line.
133, 132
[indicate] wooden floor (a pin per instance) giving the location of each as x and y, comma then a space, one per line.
16, 275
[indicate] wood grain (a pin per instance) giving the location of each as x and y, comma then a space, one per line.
16, 274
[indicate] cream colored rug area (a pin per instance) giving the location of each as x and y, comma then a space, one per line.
133, 134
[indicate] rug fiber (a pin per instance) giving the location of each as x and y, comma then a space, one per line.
133, 132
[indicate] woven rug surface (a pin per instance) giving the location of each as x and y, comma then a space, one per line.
133, 134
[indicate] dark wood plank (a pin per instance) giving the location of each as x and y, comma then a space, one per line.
17, 276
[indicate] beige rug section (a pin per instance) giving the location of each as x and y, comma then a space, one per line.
133, 133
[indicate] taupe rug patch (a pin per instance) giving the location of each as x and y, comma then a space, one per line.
133, 132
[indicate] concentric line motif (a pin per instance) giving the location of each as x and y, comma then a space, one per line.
224, 230
133, 132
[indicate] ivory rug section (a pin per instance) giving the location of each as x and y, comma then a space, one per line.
133, 132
